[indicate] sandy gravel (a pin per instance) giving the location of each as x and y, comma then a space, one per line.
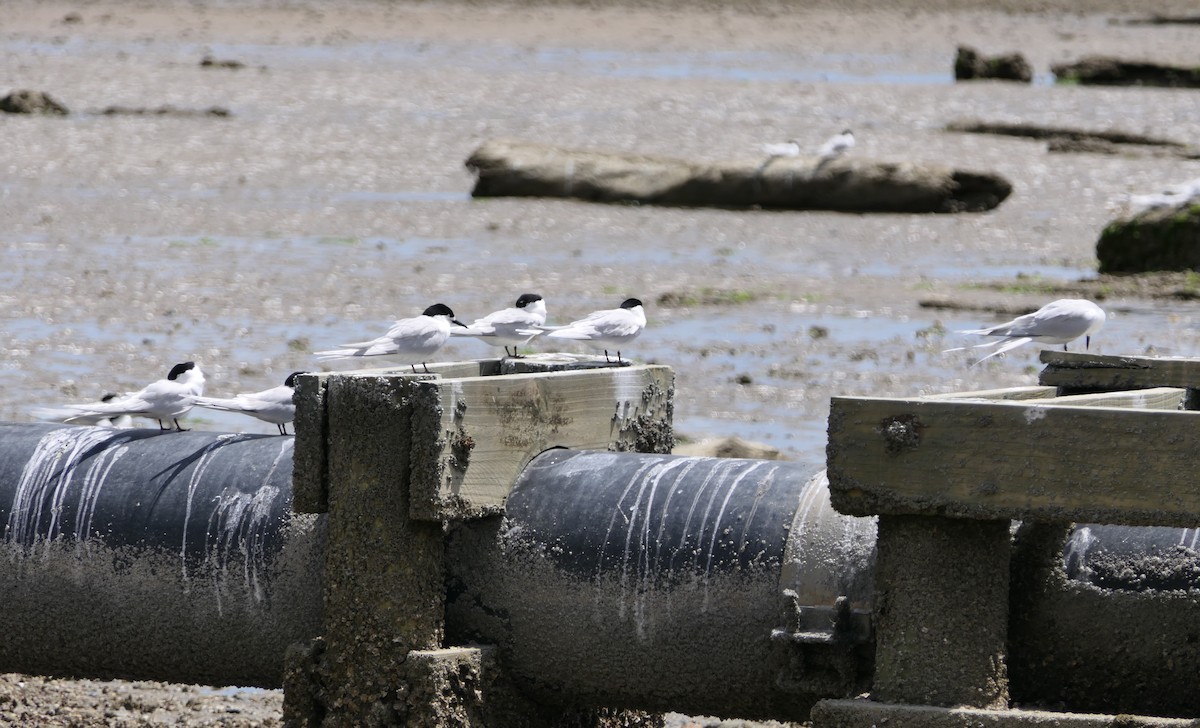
334, 199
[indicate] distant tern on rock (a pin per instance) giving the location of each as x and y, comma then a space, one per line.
274, 405
511, 326
413, 340
790, 148
1058, 322
835, 147
607, 329
166, 399
1170, 196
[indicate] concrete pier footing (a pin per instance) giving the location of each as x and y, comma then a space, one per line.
941, 611
394, 459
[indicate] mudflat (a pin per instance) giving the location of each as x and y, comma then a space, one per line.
331, 198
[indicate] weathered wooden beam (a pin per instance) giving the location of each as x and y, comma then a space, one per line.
607, 390
1074, 370
1033, 392
1154, 398
472, 436
1013, 460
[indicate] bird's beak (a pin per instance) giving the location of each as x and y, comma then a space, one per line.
460, 323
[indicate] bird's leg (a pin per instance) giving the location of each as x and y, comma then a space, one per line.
282, 428
1087, 343
618, 356
606, 359
178, 427
1065, 347
161, 426
426, 367
414, 367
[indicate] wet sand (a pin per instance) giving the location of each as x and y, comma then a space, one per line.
334, 197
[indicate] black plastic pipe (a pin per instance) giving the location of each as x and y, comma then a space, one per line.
658, 582
150, 554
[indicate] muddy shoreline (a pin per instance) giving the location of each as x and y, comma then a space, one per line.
333, 199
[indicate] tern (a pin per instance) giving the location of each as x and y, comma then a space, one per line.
166, 399
790, 148
274, 405
1058, 322
511, 326
835, 147
414, 339
607, 329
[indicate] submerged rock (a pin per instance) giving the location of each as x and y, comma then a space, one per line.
846, 184
969, 64
1107, 71
25, 101
1163, 238
729, 447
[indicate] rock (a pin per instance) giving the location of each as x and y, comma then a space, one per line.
969, 64
848, 184
1052, 133
210, 62
32, 102
729, 447
1164, 238
166, 110
1107, 71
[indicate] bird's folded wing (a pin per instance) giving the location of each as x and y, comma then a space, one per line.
218, 403
407, 328
129, 404
573, 331
475, 329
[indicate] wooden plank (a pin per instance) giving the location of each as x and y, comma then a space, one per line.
1033, 392
443, 369
1075, 370
472, 436
1013, 460
1161, 398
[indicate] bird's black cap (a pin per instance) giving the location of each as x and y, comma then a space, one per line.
291, 379
631, 303
526, 299
109, 397
438, 309
179, 369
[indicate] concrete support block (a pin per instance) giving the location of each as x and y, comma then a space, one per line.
384, 573
942, 611
309, 469
445, 688
869, 714
302, 700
